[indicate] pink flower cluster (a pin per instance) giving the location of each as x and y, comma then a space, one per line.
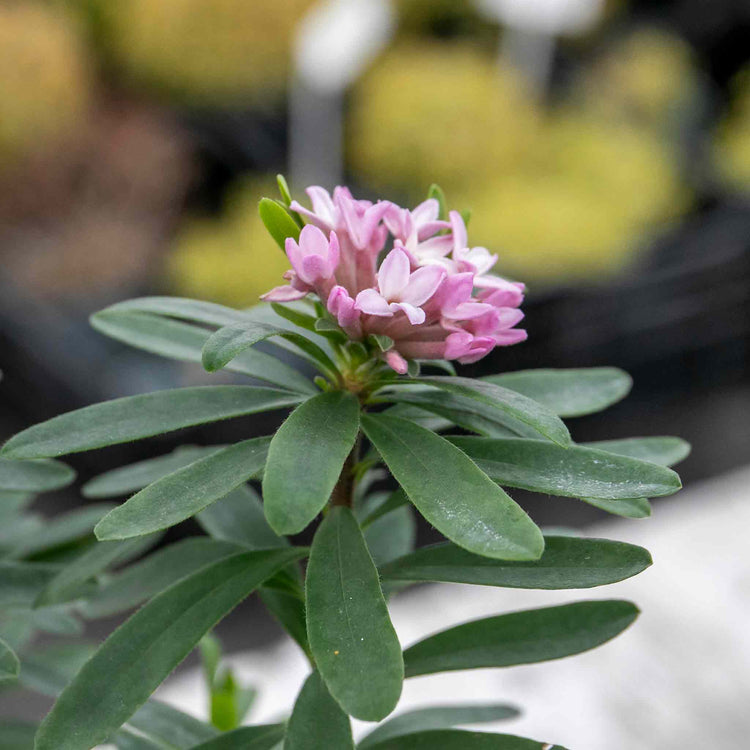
432, 294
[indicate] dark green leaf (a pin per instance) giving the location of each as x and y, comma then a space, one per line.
306, 457
392, 503
351, 637
62, 530
392, 535
567, 563
12, 504
261, 737
184, 493
521, 637
197, 311
21, 582
170, 726
48, 670
17, 735
289, 611
184, 342
456, 739
10, 667
68, 583
515, 405
569, 393
228, 342
238, 517
135, 417
141, 581
140, 654
664, 451
34, 476
452, 493
277, 221
134, 477
437, 717
317, 721
638, 507
541, 466
125, 740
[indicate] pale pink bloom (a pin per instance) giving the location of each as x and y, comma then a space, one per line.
399, 289
396, 362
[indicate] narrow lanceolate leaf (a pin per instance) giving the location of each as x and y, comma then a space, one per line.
525, 410
457, 739
184, 342
10, 667
452, 493
144, 579
664, 451
170, 727
238, 517
437, 717
542, 466
184, 493
228, 342
21, 582
208, 313
569, 393
134, 477
16, 735
567, 563
317, 721
638, 507
140, 654
135, 417
34, 476
69, 582
306, 457
261, 737
278, 221
351, 636
521, 637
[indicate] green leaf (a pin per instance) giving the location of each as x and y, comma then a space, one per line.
69, 582
62, 530
521, 637
170, 726
351, 636
317, 721
457, 739
393, 502
260, 737
392, 535
17, 735
567, 563
197, 311
125, 740
228, 342
10, 667
184, 493
289, 612
569, 393
638, 507
286, 194
134, 477
34, 476
277, 221
452, 493
664, 451
21, 582
384, 343
541, 466
306, 457
437, 717
519, 407
422, 417
12, 504
140, 654
144, 579
238, 517
48, 670
437, 193
125, 419
184, 342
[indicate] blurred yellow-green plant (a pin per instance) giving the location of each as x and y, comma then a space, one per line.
231, 259
732, 141
562, 193
205, 51
44, 80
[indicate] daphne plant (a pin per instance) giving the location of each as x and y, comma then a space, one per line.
378, 302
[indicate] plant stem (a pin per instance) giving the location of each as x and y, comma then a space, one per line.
343, 492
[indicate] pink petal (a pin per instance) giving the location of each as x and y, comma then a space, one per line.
422, 284
433, 227
295, 254
438, 246
426, 211
341, 305
372, 303
315, 268
396, 362
283, 294
510, 337
322, 204
393, 275
460, 238
312, 241
457, 288
311, 216
416, 315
